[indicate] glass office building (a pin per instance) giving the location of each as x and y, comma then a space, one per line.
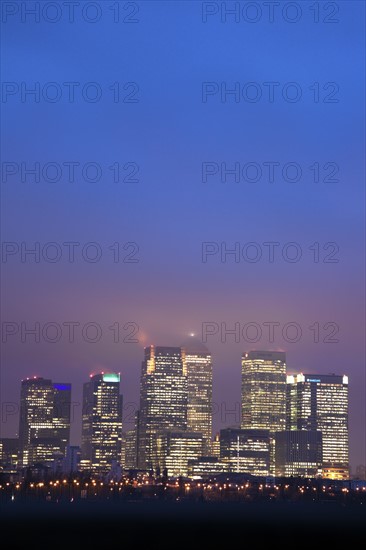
101, 423
320, 402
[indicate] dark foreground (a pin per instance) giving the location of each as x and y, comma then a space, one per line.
164, 525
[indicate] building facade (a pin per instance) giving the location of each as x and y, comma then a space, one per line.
206, 466
320, 402
176, 450
215, 446
132, 444
44, 425
199, 381
101, 423
163, 400
62, 414
131, 450
264, 393
299, 453
264, 390
72, 459
245, 451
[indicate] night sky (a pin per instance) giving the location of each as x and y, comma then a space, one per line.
161, 128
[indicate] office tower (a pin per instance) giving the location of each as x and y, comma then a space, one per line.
44, 426
132, 445
163, 399
61, 414
9, 452
320, 402
264, 393
101, 423
175, 449
36, 413
123, 450
199, 380
264, 390
245, 450
298, 453
137, 438
131, 450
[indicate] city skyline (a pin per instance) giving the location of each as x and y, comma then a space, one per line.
226, 389
164, 407
134, 209
183, 342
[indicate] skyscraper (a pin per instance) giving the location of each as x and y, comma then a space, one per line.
101, 423
320, 402
132, 445
264, 390
131, 450
163, 399
61, 414
199, 378
264, 393
44, 426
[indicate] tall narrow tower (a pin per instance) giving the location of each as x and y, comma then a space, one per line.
163, 399
199, 376
44, 424
264, 394
101, 423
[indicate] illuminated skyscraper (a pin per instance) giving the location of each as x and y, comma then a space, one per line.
163, 400
199, 377
264, 390
101, 423
132, 445
264, 393
44, 427
320, 402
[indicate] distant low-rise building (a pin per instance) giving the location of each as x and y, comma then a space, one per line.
320, 402
163, 400
176, 449
206, 466
101, 423
72, 460
44, 423
246, 451
299, 453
